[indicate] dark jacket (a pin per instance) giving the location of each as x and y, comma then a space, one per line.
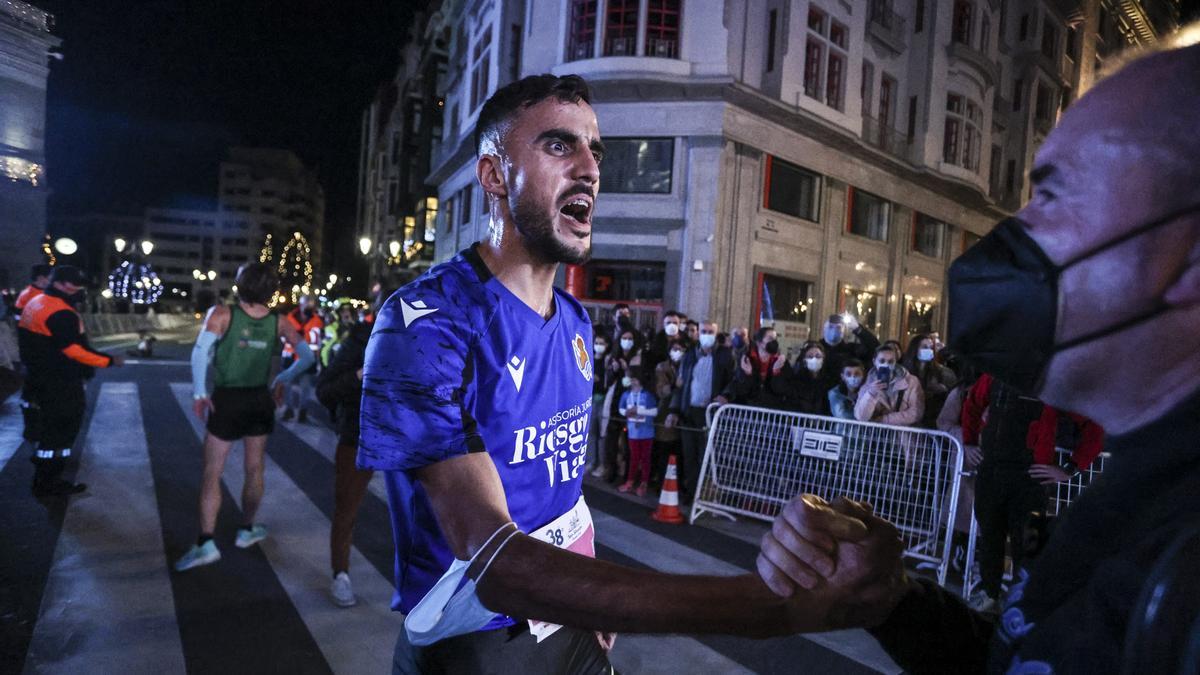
1071, 608
863, 350
769, 390
1004, 439
338, 387
722, 375
808, 393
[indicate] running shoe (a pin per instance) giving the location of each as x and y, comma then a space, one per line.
626, 487
641, 491
250, 537
198, 556
342, 591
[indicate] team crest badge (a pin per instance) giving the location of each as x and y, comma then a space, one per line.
582, 358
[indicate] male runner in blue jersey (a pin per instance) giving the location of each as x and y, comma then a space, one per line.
476, 402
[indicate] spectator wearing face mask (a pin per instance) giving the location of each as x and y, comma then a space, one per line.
600, 350
843, 397
891, 394
810, 381
640, 408
656, 348
761, 378
838, 348
622, 321
704, 373
666, 438
627, 354
739, 341
936, 380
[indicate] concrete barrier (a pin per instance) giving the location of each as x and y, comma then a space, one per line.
100, 324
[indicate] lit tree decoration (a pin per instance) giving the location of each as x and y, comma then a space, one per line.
265, 254
48, 252
137, 282
295, 267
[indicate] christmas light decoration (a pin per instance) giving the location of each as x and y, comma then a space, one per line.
48, 252
295, 266
266, 253
137, 282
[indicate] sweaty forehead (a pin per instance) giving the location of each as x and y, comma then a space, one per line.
551, 114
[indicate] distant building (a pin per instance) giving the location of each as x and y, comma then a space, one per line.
25, 42
194, 250
268, 196
771, 162
397, 209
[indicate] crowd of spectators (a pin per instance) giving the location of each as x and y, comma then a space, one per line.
652, 391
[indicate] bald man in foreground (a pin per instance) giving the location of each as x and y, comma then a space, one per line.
1088, 298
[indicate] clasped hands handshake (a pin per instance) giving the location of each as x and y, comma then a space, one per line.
838, 564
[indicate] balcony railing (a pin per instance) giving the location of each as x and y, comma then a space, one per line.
581, 50
620, 46
881, 135
886, 25
667, 48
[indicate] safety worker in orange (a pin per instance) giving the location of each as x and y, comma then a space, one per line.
59, 361
306, 319
39, 280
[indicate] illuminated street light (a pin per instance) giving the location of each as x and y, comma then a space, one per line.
394, 248
106, 294
119, 244
212, 275
364, 245
65, 245
147, 247
332, 279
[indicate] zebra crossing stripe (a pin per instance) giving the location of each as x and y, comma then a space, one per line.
358, 640
108, 595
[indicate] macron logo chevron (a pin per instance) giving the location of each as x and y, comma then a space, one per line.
414, 311
516, 368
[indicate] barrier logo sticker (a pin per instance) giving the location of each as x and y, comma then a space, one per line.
816, 444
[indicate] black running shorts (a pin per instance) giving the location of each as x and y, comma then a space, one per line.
241, 411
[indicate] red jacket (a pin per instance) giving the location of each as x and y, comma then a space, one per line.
1042, 436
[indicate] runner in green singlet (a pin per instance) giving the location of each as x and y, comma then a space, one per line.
239, 343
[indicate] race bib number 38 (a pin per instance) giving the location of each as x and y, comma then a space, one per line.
574, 532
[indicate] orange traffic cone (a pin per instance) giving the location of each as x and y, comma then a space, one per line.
668, 499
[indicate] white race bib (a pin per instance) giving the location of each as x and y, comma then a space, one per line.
574, 532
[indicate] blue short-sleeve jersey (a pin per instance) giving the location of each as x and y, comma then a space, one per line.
456, 363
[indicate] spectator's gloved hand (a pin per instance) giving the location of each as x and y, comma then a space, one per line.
847, 558
747, 368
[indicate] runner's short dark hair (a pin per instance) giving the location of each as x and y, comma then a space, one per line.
511, 98
40, 270
256, 283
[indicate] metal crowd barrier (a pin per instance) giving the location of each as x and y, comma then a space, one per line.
1057, 501
758, 459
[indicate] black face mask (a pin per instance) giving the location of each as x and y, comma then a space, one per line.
773, 347
1004, 303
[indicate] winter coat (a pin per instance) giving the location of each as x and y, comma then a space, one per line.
902, 403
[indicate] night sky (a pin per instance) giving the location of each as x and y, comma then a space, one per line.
151, 93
